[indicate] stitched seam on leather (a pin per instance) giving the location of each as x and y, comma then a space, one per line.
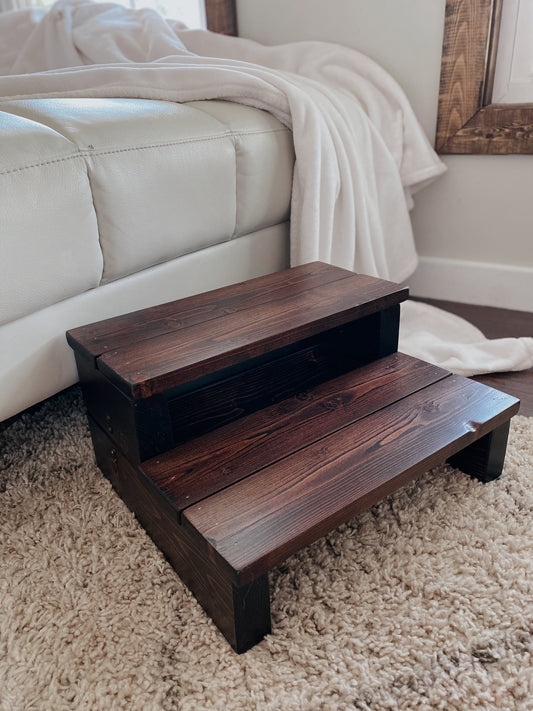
236, 184
98, 231
251, 131
81, 153
78, 154
182, 141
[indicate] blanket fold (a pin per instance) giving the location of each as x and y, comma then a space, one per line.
360, 151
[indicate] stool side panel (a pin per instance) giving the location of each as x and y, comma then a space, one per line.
109, 407
242, 613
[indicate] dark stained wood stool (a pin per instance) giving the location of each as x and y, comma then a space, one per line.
245, 423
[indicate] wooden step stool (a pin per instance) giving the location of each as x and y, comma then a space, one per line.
245, 423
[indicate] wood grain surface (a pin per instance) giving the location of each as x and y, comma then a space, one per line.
468, 122
257, 522
205, 465
181, 369
496, 129
114, 333
463, 65
158, 364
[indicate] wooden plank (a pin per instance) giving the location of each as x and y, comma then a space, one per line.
114, 333
257, 522
159, 364
205, 465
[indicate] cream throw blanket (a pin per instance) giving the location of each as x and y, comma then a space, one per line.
360, 152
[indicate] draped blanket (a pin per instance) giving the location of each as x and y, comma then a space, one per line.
360, 152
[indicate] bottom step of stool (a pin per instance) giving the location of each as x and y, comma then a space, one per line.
269, 484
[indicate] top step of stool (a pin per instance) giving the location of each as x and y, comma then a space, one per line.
156, 349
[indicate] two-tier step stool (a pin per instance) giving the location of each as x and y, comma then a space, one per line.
243, 424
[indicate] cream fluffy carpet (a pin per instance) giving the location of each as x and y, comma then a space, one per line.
424, 602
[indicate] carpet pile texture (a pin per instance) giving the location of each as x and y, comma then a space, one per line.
423, 602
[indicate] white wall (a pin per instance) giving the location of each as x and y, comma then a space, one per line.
404, 36
478, 216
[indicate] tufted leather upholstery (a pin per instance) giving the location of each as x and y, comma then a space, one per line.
111, 205
96, 189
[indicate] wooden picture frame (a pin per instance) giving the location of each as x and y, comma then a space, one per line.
467, 120
221, 16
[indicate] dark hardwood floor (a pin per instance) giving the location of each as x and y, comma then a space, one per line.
499, 323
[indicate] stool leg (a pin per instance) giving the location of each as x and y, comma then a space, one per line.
251, 614
388, 331
484, 458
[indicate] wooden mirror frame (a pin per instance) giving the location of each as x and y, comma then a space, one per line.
221, 16
467, 120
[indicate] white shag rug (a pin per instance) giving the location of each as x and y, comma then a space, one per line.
424, 602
